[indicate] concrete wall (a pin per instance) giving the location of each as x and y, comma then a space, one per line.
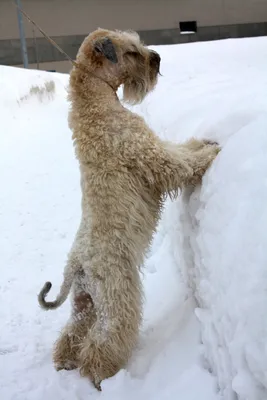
157, 21
72, 17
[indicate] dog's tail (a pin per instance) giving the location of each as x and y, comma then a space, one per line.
52, 305
69, 274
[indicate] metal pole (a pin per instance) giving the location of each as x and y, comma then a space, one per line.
22, 36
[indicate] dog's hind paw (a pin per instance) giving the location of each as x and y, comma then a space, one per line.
97, 385
68, 366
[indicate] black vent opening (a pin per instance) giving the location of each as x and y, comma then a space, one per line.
188, 27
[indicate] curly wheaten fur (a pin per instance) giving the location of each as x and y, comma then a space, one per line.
126, 174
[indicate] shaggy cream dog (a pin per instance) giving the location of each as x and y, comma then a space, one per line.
126, 173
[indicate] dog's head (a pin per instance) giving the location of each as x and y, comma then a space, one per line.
120, 58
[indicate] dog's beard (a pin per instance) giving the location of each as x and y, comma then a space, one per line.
135, 89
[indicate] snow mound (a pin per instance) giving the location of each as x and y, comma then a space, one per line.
226, 221
204, 332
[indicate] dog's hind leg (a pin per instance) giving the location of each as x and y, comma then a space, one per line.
68, 345
118, 303
66, 349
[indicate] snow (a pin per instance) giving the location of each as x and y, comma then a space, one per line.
187, 32
228, 245
205, 327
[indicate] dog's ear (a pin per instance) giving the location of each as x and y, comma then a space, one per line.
106, 47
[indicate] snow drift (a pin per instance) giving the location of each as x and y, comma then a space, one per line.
205, 328
226, 223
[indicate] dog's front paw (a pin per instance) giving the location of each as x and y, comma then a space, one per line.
206, 156
203, 160
210, 142
212, 149
197, 145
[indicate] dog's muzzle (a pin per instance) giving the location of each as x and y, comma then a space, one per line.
155, 60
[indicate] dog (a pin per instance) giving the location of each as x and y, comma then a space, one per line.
126, 173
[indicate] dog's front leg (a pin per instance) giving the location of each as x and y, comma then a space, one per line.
173, 166
198, 155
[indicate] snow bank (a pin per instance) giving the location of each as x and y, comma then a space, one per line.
210, 243
227, 221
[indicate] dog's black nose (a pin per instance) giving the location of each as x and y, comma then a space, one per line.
155, 61
155, 57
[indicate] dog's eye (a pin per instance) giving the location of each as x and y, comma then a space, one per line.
132, 53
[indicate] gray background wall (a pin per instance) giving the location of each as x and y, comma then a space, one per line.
68, 21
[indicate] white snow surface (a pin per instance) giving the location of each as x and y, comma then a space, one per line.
204, 335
